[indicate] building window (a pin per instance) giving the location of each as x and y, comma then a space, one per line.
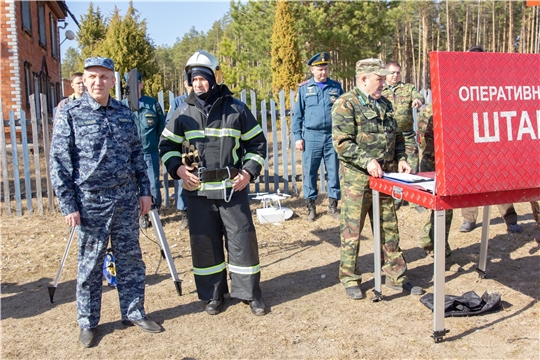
54, 35
27, 82
36, 95
41, 23
26, 18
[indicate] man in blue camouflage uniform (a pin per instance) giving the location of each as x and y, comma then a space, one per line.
312, 129
404, 97
368, 143
150, 124
231, 149
99, 176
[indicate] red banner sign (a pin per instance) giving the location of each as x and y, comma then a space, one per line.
486, 109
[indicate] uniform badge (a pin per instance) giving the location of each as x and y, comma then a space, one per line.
150, 120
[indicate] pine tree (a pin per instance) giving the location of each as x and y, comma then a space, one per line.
91, 33
286, 64
71, 63
128, 44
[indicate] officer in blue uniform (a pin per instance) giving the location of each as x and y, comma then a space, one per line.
150, 125
312, 129
99, 176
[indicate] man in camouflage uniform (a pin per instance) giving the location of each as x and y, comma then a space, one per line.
427, 163
99, 176
368, 143
78, 87
403, 97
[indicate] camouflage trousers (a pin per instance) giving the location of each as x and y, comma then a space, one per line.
411, 149
356, 204
427, 240
109, 214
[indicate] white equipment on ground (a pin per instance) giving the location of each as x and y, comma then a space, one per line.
272, 211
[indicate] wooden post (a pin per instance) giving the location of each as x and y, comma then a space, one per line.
284, 142
15, 161
35, 141
253, 98
264, 124
7, 195
27, 183
293, 146
46, 149
275, 144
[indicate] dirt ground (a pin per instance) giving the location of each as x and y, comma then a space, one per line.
309, 316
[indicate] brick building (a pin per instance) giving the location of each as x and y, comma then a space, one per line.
30, 53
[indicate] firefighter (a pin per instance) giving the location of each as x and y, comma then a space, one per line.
215, 145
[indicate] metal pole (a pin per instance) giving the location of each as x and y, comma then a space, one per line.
52, 289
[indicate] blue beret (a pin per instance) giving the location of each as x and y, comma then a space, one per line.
99, 61
321, 58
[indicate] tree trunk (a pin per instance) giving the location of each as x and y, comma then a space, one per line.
493, 26
510, 28
447, 28
465, 32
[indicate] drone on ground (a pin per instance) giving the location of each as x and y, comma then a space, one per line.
272, 211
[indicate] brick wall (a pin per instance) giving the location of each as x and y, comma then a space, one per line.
10, 84
20, 47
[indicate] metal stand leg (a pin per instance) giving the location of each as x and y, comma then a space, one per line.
438, 276
481, 269
52, 288
377, 246
165, 251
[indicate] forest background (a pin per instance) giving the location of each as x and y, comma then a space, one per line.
263, 45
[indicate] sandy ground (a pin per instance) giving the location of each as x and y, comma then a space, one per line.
309, 316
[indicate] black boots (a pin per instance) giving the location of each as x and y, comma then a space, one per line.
332, 207
311, 209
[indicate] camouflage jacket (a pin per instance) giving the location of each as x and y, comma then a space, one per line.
402, 95
425, 138
95, 148
360, 134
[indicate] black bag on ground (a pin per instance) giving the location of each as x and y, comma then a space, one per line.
468, 304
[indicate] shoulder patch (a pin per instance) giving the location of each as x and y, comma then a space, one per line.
303, 83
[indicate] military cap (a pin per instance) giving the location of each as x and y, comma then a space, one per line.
99, 61
321, 58
375, 66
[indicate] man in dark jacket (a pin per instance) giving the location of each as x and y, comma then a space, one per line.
215, 145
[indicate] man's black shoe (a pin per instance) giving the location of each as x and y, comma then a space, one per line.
354, 293
86, 336
214, 306
257, 307
145, 324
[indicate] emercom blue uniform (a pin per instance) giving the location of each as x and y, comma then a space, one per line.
312, 122
227, 136
150, 124
97, 168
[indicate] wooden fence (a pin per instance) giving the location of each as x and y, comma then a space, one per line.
282, 168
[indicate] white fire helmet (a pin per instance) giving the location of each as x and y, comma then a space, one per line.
203, 58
